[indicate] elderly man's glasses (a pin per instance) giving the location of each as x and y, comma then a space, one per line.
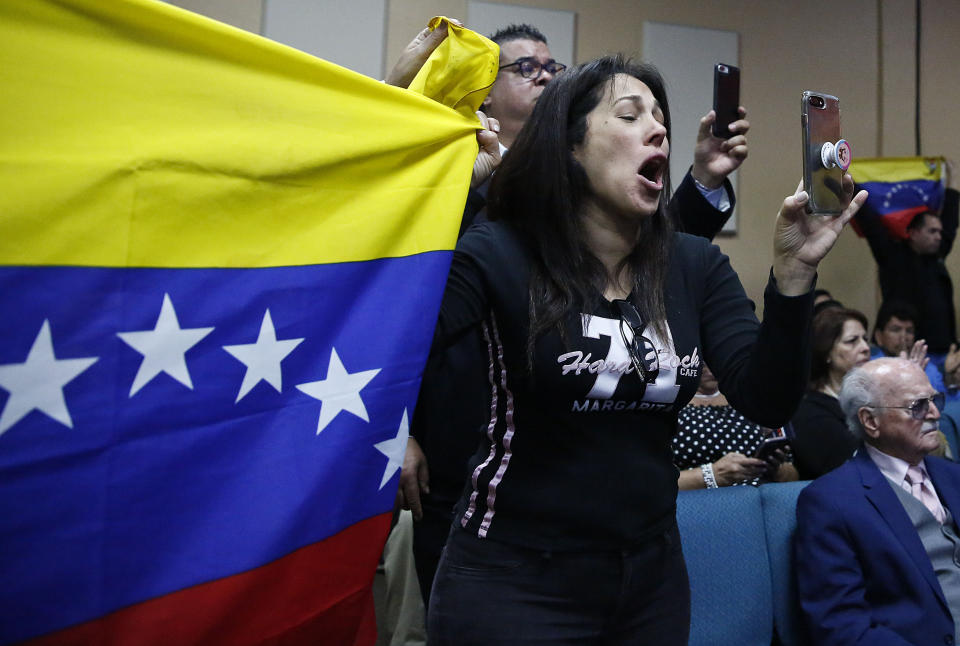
531, 68
918, 409
642, 352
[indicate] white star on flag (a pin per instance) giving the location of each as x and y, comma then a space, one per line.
163, 348
394, 450
262, 358
339, 391
37, 383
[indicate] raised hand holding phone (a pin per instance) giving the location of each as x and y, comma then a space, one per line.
722, 138
726, 98
800, 242
826, 156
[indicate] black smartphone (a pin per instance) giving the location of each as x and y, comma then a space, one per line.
823, 165
777, 440
726, 98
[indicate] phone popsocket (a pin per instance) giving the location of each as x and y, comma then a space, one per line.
839, 155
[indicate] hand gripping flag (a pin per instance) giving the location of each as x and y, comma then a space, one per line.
900, 188
220, 265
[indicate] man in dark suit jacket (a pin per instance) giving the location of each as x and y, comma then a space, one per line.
877, 546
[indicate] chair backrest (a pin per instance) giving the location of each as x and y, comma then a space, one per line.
951, 428
725, 546
779, 502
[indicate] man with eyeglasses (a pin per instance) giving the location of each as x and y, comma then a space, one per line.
526, 66
704, 199
877, 544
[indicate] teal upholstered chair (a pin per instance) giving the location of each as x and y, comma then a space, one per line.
950, 425
779, 502
724, 543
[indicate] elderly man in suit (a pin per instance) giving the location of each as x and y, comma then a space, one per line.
878, 549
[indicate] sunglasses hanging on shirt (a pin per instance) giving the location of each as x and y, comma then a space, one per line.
643, 354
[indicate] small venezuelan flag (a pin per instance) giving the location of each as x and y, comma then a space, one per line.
221, 261
900, 188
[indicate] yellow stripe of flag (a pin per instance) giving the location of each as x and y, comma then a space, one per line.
139, 134
896, 169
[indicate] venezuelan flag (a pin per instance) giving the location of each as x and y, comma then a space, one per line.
900, 188
220, 265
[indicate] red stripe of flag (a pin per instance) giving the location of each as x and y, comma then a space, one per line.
895, 222
319, 594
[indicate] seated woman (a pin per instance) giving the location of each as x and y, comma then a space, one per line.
713, 442
821, 440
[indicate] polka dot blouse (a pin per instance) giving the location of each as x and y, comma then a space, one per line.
707, 433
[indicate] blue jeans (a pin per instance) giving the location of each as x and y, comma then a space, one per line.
494, 594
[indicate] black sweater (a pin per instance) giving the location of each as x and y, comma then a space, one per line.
577, 454
821, 441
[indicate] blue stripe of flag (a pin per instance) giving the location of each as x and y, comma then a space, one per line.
170, 487
890, 197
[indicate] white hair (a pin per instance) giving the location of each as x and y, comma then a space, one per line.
858, 390
862, 387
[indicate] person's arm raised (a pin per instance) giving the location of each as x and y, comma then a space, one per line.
415, 54
714, 158
949, 213
801, 240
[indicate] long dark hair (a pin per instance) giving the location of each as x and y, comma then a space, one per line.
826, 328
540, 189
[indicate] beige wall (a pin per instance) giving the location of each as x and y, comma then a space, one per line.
780, 58
940, 93
865, 55
246, 14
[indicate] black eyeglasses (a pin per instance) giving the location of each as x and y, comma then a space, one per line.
531, 68
642, 352
918, 409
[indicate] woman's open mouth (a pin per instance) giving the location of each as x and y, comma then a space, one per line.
651, 172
